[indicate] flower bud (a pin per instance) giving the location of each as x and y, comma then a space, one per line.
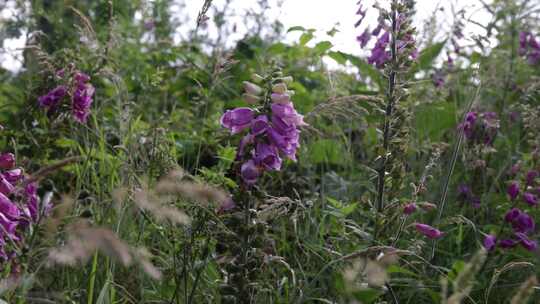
251, 99
279, 88
290, 92
287, 79
251, 88
256, 78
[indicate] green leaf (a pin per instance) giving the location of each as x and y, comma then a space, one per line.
398, 269
296, 28
338, 57
427, 56
367, 296
434, 120
305, 38
322, 47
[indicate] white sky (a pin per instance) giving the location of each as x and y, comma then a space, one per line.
321, 15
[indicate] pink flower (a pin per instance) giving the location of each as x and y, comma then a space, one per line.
409, 208
428, 231
489, 242
237, 120
250, 172
7, 161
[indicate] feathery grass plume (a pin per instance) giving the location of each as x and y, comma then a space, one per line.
345, 107
83, 241
172, 184
149, 201
498, 272
525, 291
463, 283
59, 213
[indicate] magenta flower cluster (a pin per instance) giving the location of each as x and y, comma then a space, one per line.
521, 223
480, 128
272, 129
380, 53
529, 47
19, 206
79, 88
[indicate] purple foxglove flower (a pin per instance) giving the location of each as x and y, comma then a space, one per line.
450, 62
287, 144
5, 186
246, 140
81, 77
508, 243
250, 172
428, 231
259, 125
364, 38
237, 120
280, 98
523, 223
438, 79
288, 114
512, 214
82, 101
362, 14
527, 243
464, 192
7, 161
13, 176
513, 190
410, 208
530, 198
523, 37
8, 208
34, 209
489, 242
378, 29
514, 170
531, 176
534, 57
9, 226
267, 156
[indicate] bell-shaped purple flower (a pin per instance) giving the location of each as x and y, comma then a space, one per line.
267, 156
512, 214
250, 172
527, 243
523, 223
428, 231
237, 120
259, 125
531, 176
530, 199
523, 39
364, 38
513, 190
280, 98
7, 161
52, 98
5, 186
410, 208
13, 176
82, 101
489, 242
8, 208
508, 243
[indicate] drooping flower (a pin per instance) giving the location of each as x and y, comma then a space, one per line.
512, 214
267, 156
508, 243
52, 98
364, 38
409, 209
527, 243
250, 172
259, 125
428, 231
513, 190
490, 241
530, 198
531, 176
523, 223
7, 161
237, 120
82, 97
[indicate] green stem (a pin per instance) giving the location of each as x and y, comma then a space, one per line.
92, 282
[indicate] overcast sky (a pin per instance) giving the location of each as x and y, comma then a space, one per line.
321, 15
